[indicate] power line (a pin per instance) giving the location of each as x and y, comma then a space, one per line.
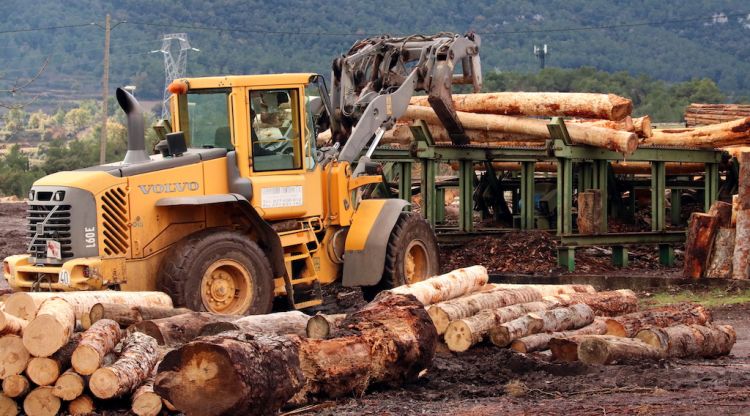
39, 29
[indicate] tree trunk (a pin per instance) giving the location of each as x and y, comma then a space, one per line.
561, 104
447, 286
127, 315
82, 405
543, 289
51, 329
589, 212
69, 385
611, 303
462, 334
389, 341
145, 401
13, 356
11, 324
280, 323
321, 326
720, 264
180, 329
701, 232
558, 319
505, 333
740, 267
683, 341
95, 343
616, 140
25, 304
604, 349
15, 385
132, 368
540, 342
685, 313
44, 371
723, 213
708, 137
8, 406
41, 402
642, 126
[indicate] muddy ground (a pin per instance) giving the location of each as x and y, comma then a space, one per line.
12, 235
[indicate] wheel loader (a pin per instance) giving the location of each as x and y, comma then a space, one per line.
239, 206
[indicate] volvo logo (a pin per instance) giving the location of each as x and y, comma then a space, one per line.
169, 187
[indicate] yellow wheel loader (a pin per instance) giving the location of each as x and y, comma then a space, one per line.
239, 205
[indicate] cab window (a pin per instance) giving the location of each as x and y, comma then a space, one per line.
275, 130
208, 112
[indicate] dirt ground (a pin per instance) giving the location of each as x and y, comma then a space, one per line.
12, 235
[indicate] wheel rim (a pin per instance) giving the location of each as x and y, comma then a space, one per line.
416, 262
226, 287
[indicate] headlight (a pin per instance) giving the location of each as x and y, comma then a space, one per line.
31, 195
59, 196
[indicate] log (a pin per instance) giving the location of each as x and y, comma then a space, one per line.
603, 349
701, 231
619, 167
685, 313
15, 385
145, 401
540, 342
690, 341
390, 341
25, 304
13, 356
626, 124
616, 140
610, 303
566, 349
543, 289
51, 329
740, 262
321, 326
11, 324
589, 212
553, 320
723, 213
8, 406
720, 263
132, 368
280, 323
69, 385
41, 402
43, 371
561, 104
179, 329
447, 286
729, 133
642, 127
81, 406
401, 135
127, 315
462, 334
95, 343
735, 209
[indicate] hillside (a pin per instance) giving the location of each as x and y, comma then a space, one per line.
251, 36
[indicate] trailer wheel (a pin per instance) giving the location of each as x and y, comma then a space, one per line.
218, 271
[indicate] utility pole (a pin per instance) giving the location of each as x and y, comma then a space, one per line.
541, 54
105, 94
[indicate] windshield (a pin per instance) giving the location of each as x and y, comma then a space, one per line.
208, 115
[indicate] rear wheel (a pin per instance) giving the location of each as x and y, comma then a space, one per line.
218, 271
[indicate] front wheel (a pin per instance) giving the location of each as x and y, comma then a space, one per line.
218, 271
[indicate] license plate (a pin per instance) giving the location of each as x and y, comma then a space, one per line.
54, 250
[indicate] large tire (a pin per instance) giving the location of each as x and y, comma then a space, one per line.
218, 271
412, 254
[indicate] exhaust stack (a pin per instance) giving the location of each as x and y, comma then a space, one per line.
136, 139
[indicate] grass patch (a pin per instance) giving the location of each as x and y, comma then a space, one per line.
708, 298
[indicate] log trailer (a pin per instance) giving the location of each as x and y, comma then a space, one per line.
239, 206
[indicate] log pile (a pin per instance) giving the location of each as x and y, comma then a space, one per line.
697, 114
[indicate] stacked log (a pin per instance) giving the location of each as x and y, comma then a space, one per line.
553, 320
685, 313
540, 342
729, 133
704, 114
684, 341
25, 304
741, 260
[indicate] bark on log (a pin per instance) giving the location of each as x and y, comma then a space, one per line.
543, 289
723, 213
280, 323
179, 329
558, 319
735, 209
51, 329
589, 212
69, 385
540, 342
43, 371
25, 304
446, 286
462, 334
616, 140
81, 406
611, 303
95, 343
321, 326
41, 402
735, 132
13, 356
390, 341
642, 126
15, 385
145, 401
603, 349
701, 232
11, 324
741, 261
132, 368
127, 315
505, 333
561, 104
401, 135
685, 313
626, 124
684, 341
720, 264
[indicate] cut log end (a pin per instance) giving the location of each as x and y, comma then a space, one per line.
8, 406
440, 318
82, 405
69, 386
15, 386
42, 402
45, 335
459, 337
86, 360
518, 346
104, 383
563, 349
616, 328
147, 404
43, 371
13, 356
